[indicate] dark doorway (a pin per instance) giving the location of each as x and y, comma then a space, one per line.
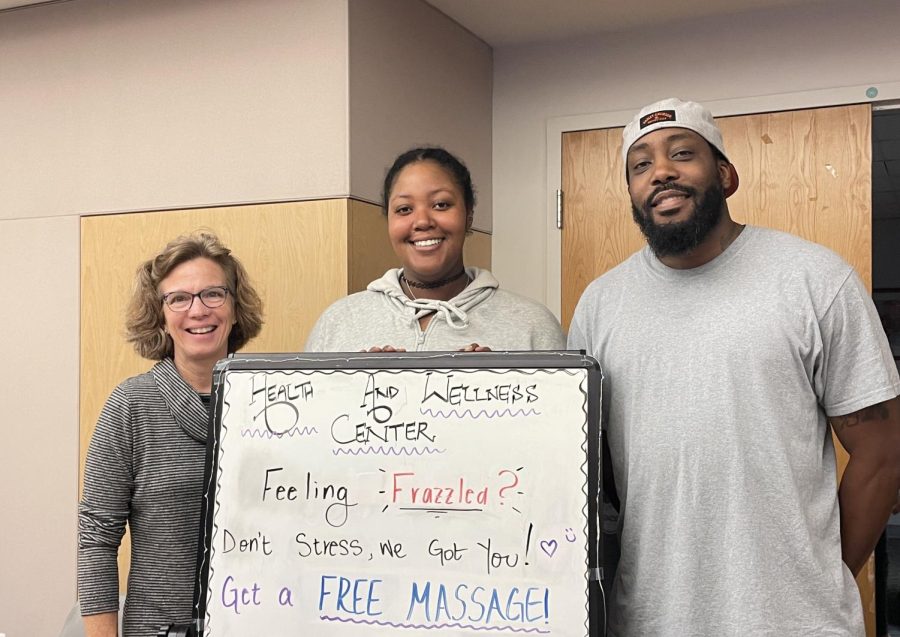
886, 293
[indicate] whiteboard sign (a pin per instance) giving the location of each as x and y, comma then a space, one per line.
402, 495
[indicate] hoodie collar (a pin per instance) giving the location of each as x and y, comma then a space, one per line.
453, 312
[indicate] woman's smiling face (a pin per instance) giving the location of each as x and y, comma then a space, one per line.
427, 221
199, 334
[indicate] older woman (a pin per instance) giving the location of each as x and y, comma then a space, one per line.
433, 302
192, 305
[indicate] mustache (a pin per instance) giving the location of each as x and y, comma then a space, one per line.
687, 190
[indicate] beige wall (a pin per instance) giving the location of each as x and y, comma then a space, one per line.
113, 105
116, 105
123, 105
818, 46
417, 78
39, 405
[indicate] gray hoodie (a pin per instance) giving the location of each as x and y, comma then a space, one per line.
482, 313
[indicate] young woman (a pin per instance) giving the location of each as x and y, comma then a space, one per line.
433, 302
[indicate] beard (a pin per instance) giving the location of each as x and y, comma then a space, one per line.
677, 238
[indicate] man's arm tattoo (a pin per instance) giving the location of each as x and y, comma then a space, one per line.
873, 412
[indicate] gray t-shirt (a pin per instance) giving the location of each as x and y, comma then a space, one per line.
718, 380
482, 313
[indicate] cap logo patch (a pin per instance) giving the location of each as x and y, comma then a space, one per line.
658, 116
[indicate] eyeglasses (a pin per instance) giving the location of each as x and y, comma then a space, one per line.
179, 301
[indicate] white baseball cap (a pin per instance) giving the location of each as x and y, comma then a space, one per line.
675, 113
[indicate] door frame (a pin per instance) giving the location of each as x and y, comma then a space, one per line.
557, 126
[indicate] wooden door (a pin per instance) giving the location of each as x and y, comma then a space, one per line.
806, 172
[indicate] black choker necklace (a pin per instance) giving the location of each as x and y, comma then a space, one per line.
434, 284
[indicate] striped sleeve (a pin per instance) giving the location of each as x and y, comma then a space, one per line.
105, 506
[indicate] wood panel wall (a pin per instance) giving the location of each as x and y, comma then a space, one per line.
301, 257
369, 251
295, 254
477, 250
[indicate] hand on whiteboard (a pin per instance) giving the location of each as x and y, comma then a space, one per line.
475, 347
386, 348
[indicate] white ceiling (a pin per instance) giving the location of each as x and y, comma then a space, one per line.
512, 22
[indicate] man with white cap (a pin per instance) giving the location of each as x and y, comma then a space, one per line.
727, 352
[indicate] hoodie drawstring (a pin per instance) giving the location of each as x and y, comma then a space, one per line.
455, 317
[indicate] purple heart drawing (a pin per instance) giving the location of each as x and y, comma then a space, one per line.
549, 547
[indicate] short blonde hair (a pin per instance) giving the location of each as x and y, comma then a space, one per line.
145, 321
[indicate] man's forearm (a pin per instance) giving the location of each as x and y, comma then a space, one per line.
867, 494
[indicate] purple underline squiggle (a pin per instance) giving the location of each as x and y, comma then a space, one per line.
290, 433
387, 451
376, 622
497, 413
